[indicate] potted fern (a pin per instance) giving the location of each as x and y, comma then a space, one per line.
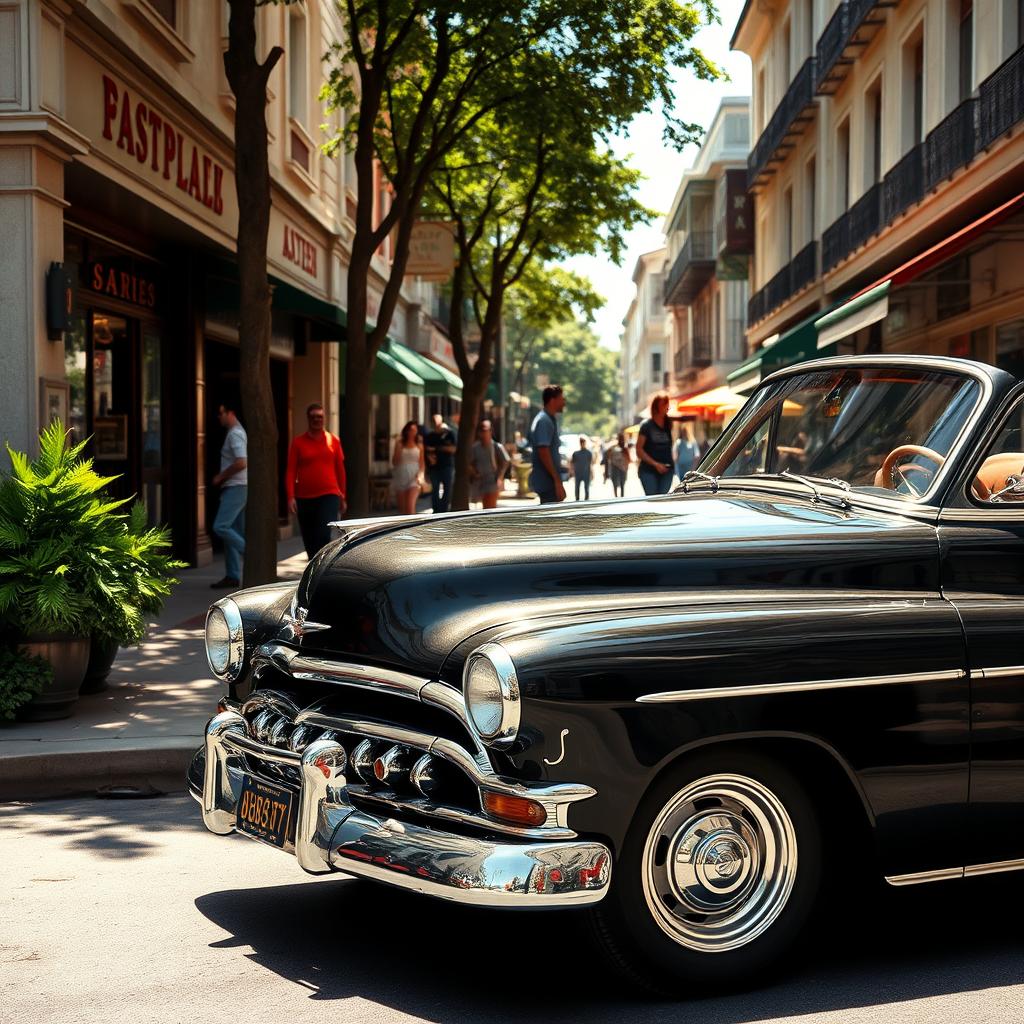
72, 565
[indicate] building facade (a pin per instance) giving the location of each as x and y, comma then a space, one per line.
646, 338
118, 203
708, 242
887, 178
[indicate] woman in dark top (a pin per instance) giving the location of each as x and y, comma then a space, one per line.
654, 448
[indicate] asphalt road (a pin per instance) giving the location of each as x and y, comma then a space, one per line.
129, 911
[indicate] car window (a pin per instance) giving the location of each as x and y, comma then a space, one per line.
887, 430
1000, 477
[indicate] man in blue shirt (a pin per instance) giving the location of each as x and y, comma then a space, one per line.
545, 476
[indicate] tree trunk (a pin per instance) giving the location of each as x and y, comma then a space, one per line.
474, 388
355, 422
248, 80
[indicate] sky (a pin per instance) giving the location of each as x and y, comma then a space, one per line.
664, 166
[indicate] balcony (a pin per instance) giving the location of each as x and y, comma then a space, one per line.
788, 121
796, 275
835, 243
903, 185
1001, 100
693, 268
702, 350
866, 217
849, 30
951, 144
804, 268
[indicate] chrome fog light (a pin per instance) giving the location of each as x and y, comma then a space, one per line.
424, 776
492, 694
363, 756
392, 768
301, 737
225, 641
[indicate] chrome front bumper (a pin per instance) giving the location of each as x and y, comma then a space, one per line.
331, 834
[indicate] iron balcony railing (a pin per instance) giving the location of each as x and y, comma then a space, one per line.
835, 242
903, 185
699, 247
837, 35
788, 114
701, 350
1001, 99
866, 217
755, 307
804, 268
951, 144
778, 288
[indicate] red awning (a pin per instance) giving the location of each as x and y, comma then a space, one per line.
942, 251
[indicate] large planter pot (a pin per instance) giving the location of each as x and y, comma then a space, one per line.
101, 660
68, 657
523, 479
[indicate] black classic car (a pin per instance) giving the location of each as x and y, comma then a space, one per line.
685, 714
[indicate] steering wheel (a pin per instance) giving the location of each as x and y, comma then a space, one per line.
889, 468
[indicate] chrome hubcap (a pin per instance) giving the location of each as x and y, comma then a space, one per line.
719, 863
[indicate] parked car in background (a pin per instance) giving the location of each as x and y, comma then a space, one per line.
682, 713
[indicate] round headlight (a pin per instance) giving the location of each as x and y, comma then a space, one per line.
492, 694
225, 643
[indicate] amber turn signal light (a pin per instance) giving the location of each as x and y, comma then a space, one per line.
515, 809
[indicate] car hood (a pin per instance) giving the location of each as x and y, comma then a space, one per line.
408, 593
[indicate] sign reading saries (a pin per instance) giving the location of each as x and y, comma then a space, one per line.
431, 250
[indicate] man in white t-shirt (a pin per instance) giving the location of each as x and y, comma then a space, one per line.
233, 481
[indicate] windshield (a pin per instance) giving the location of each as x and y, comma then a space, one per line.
877, 429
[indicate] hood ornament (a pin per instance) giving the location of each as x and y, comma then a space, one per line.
296, 625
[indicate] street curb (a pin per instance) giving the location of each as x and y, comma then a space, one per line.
46, 776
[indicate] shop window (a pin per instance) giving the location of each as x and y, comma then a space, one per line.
953, 288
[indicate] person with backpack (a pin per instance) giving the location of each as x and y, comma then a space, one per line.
488, 464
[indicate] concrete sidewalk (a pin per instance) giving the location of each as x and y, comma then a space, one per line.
142, 731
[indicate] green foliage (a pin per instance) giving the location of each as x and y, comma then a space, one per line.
71, 561
570, 354
22, 677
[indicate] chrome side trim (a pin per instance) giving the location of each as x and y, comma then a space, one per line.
946, 874
999, 672
995, 868
918, 877
770, 689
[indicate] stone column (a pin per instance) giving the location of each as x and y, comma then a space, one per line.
35, 144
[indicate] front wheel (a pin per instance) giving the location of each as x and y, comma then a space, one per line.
717, 877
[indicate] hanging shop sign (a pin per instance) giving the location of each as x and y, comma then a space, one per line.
431, 250
739, 214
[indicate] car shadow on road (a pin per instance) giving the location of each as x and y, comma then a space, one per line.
344, 938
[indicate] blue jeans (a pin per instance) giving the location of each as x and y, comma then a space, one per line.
230, 527
654, 482
584, 483
441, 478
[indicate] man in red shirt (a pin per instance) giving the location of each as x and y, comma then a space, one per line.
315, 481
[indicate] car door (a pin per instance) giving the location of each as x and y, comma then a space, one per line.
981, 534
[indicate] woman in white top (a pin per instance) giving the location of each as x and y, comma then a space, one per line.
407, 476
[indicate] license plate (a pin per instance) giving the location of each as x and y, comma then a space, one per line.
264, 811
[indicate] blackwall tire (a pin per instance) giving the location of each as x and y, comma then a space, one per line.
717, 878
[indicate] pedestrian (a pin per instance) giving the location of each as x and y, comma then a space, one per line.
582, 468
687, 452
545, 474
315, 480
654, 448
440, 447
488, 464
233, 481
618, 465
409, 463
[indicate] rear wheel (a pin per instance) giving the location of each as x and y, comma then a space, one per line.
716, 879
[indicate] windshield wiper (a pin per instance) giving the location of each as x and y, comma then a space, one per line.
695, 475
809, 482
